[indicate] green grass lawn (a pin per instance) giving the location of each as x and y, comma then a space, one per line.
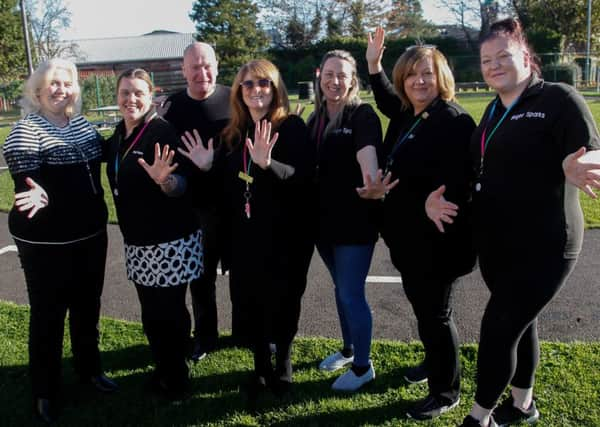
566, 387
474, 103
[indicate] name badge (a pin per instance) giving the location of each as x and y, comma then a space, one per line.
245, 177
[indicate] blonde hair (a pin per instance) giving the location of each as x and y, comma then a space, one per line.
406, 64
240, 115
41, 78
352, 99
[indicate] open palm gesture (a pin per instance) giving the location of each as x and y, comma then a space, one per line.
375, 48
32, 200
582, 174
163, 164
377, 188
261, 149
198, 155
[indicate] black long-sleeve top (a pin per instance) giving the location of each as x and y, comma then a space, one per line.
66, 163
524, 203
279, 208
435, 153
147, 216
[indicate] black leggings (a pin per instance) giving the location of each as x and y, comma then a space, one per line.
60, 278
431, 298
203, 289
508, 344
167, 325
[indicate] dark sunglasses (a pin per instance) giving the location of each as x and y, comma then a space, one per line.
262, 83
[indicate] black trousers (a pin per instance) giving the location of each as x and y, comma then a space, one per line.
269, 306
203, 289
167, 325
509, 348
430, 294
60, 278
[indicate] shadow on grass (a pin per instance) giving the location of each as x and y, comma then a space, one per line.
217, 397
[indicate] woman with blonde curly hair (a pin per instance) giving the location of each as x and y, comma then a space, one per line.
58, 223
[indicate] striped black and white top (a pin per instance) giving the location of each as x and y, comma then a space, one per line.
66, 163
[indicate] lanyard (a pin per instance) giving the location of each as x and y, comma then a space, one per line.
390, 160
320, 129
244, 175
485, 140
119, 159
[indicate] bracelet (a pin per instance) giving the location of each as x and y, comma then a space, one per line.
167, 180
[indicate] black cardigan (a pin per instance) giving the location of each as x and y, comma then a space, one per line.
436, 153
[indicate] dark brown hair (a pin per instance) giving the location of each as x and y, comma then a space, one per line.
511, 28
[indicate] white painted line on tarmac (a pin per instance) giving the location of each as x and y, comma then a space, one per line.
384, 279
9, 248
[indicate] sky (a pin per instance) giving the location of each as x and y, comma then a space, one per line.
116, 18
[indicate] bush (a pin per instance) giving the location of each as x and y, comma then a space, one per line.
566, 73
98, 92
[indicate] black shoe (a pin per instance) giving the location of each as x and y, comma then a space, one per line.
507, 414
469, 421
281, 388
431, 407
416, 374
45, 410
173, 392
200, 351
102, 383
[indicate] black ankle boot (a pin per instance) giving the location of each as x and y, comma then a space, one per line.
45, 410
102, 383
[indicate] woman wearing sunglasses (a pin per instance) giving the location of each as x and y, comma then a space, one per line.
528, 224
426, 145
267, 166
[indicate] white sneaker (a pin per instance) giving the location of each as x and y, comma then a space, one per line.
348, 381
335, 361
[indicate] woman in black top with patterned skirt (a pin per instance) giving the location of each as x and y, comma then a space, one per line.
426, 145
163, 246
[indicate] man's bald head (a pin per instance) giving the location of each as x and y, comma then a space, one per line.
200, 69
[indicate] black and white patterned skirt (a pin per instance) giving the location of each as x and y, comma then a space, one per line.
166, 264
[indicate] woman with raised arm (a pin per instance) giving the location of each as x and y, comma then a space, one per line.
163, 246
346, 134
426, 145
58, 223
526, 156
267, 167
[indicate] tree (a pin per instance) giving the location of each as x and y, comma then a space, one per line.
472, 13
405, 18
12, 57
567, 18
230, 26
47, 19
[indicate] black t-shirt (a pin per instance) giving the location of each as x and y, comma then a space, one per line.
524, 203
147, 216
345, 218
434, 153
209, 117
